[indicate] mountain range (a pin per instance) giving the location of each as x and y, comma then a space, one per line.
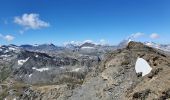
86, 71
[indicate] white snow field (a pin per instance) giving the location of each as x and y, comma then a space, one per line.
21, 62
142, 66
41, 69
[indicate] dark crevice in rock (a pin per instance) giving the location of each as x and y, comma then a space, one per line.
154, 72
165, 95
142, 94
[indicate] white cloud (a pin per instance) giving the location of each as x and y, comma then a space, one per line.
154, 36
7, 37
30, 21
136, 35
103, 42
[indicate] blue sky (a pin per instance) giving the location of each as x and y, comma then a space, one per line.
59, 21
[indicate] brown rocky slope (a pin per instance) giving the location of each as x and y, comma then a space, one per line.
116, 79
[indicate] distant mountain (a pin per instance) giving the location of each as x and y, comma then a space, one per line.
164, 47
124, 43
86, 44
35, 67
77, 46
44, 48
158, 46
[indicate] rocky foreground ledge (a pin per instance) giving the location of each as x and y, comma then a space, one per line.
38, 76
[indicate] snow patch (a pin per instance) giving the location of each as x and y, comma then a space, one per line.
62, 67
36, 56
129, 40
6, 51
154, 45
88, 41
21, 62
12, 49
5, 56
87, 47
76, 69
40, 69
29, 75
79, 43
142, 66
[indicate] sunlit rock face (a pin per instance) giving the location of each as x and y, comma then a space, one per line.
142, 66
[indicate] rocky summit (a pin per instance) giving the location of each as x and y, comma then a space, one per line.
85, 72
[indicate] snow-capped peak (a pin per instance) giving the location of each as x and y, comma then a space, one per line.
152, 44
129, 40
165, 47
80, 43
89, 41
